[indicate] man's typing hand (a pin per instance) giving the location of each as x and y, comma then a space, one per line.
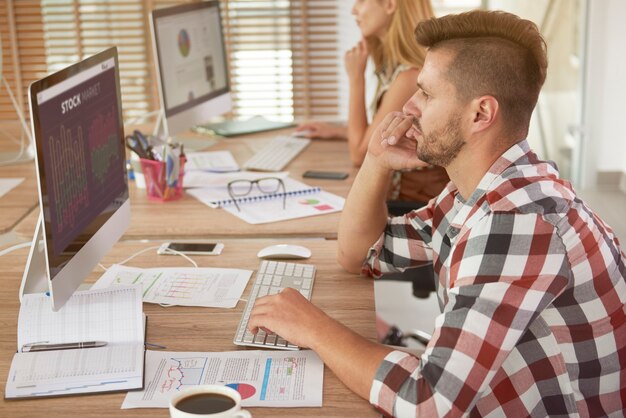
290, 315
390, 146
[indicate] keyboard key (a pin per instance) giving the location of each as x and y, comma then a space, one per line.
260, 337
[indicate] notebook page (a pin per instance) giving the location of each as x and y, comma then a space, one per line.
50, 373
296, 206
219, 196
113, 315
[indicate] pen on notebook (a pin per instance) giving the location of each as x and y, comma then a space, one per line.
27, 348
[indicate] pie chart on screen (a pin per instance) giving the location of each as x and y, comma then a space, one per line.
245, 390
184, 44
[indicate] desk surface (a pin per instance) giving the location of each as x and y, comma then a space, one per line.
21, 200
344, 296
188, 218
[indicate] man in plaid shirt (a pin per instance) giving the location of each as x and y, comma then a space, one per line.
531, 282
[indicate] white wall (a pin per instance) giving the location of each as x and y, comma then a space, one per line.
349, 35
604, 142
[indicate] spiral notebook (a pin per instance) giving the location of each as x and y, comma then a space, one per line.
218, 196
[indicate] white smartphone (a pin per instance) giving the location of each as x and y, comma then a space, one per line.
192, 248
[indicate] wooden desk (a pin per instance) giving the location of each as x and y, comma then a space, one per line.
21, 200
344, 296
188, 218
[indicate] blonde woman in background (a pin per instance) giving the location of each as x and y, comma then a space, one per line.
387, 27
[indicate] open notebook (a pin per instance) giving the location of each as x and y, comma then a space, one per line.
301, 200
113, 316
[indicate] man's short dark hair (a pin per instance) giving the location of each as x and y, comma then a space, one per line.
495, 53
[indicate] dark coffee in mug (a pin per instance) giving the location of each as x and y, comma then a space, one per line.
205, 403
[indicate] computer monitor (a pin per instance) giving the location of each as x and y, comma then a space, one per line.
190, 57
76, 117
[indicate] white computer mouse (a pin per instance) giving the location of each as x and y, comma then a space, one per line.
285, 251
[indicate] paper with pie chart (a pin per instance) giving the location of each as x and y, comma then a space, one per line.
262, 378
302, 200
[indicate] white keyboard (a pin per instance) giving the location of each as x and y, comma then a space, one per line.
277, 154
271, 278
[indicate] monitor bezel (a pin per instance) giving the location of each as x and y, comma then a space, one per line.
196, 111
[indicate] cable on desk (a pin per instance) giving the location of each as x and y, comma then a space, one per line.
154, 248
15, 247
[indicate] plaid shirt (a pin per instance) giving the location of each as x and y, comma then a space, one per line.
531, 285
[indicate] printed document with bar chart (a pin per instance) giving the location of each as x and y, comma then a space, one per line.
208, 287
262, 378
113, 317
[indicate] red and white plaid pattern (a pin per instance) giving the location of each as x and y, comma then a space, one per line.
532, 289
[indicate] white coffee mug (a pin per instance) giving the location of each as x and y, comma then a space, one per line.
178, 401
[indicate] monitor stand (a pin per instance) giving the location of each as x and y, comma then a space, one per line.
191, 142
36, 278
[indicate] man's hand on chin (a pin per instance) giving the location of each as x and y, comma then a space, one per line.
391, 147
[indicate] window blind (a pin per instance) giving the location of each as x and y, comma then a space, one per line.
23, 52
283, 57
282, 54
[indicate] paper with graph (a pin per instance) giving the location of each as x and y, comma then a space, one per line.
208, 287
263, 378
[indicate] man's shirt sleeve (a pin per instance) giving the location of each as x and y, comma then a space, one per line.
503, 273
405, 243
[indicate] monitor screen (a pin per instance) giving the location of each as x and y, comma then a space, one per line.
81, 167
191, 62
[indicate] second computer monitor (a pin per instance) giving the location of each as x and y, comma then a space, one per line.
191, 61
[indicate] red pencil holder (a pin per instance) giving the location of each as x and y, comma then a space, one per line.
156, 183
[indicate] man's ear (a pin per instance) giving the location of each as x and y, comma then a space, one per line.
391, 6
485, 110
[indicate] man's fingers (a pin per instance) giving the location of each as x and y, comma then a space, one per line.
396, 130
387, 121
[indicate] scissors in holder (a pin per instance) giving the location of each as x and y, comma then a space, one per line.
133, 143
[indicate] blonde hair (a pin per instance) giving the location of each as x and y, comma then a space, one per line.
399, 46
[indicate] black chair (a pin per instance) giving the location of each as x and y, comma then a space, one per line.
422, 281
422, 277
